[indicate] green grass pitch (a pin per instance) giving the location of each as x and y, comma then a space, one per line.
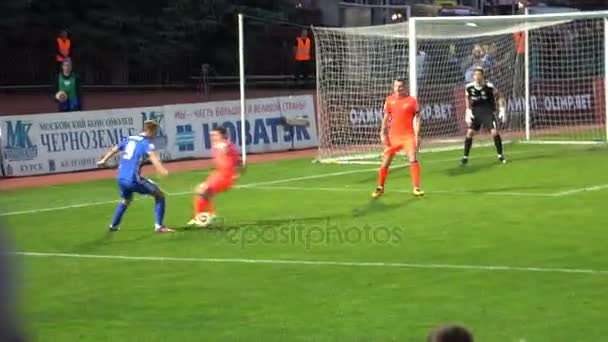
516, 252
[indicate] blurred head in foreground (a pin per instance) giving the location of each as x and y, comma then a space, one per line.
450, 333
9, 329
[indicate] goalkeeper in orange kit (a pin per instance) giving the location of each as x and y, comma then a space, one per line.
403, 123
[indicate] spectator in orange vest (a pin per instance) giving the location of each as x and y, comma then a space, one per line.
64, 47
302, 55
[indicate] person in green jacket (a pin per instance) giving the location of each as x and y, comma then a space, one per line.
68, 89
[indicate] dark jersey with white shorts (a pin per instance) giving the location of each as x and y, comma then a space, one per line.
482, 99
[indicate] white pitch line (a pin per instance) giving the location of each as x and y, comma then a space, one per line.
450, 192
322, 175
258, 186
488, 268
182, 193
42, 210
580, 190
342, 173
279, 181
492, 193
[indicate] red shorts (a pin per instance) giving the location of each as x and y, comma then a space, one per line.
397, 143
218, 182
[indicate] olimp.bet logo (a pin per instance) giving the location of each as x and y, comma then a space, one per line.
161, 137
19, 146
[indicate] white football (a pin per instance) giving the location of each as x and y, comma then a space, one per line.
61, 96
203, 219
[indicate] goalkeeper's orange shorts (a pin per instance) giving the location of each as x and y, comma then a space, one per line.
219, 181
397, 143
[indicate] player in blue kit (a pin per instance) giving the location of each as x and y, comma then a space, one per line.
135, 149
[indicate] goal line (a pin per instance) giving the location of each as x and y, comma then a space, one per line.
374, 159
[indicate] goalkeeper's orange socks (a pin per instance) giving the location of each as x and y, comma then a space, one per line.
382, 173
415, 172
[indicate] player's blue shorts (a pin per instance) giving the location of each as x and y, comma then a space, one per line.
70, 105
144, 186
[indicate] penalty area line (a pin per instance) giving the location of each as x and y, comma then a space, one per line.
182, 193
486, 268
431, 192
581, 190
265, 186
65, 207
258, 185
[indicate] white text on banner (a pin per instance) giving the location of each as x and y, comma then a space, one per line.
63, 142
267, 125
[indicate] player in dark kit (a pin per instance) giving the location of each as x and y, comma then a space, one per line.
482, 100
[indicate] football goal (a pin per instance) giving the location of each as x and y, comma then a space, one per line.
551, 69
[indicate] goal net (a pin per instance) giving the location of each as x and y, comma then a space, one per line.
550, 69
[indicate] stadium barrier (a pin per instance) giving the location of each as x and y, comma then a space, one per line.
66, 142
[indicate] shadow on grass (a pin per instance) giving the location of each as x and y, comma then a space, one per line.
227, 226
108, 239
478, 165
293, 222
377, 205
471, 168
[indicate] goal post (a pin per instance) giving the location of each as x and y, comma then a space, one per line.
555, 87
242, 96
606, 74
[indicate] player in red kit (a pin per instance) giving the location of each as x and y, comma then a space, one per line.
227, 170
403, 123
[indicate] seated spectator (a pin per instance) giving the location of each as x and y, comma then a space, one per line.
450, 333
68, 89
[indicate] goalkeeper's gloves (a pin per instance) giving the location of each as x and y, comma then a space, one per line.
469, 117
502, 115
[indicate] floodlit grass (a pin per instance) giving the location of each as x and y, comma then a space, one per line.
430, 255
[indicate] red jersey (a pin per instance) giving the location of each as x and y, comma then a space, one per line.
226, 156
401, 113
